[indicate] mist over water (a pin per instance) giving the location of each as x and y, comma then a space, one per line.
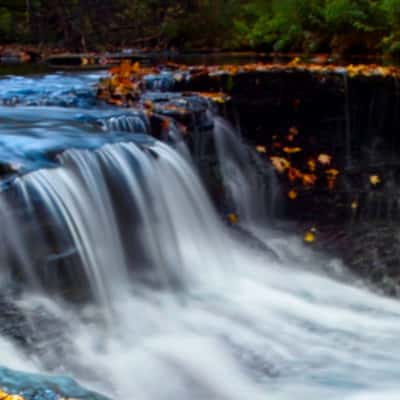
178, 304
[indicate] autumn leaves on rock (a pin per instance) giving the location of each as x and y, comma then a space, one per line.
305, 166
8, 396
126, 83
46, 395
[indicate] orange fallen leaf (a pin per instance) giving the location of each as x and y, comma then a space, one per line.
292, 150
233, 218
324, 159
261, 149
332, 172
13, 397
135, 67
3, 394
311, 164
309, 179
293, 195
280, 164
114, 70
294, 174
125, 69
375, 180
215, 97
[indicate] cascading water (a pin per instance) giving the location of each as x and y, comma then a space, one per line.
252, 190
179, 307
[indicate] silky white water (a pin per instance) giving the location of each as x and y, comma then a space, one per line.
222, 320
169, 302
253, 191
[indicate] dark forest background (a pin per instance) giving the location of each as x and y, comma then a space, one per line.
308, 26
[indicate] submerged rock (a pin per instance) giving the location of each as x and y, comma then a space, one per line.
371, 250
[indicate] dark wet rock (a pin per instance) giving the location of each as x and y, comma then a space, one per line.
189, 110
369, 249
34, 331
13, 323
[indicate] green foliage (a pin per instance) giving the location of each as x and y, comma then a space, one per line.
391, 41
322, 25
5, 22
279, 25
344, 15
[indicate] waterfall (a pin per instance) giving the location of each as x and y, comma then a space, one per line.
347, 120
186, 303
122, 204
132, 122
249, 183
123, 275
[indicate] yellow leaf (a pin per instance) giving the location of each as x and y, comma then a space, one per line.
324, 159
233, 218
280, 164
3, 394
332, 172
375, 180
309, 237
220, 98
311, 165
261, 149
295, 61
291, 150
292, 195
14, 397
135, 67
